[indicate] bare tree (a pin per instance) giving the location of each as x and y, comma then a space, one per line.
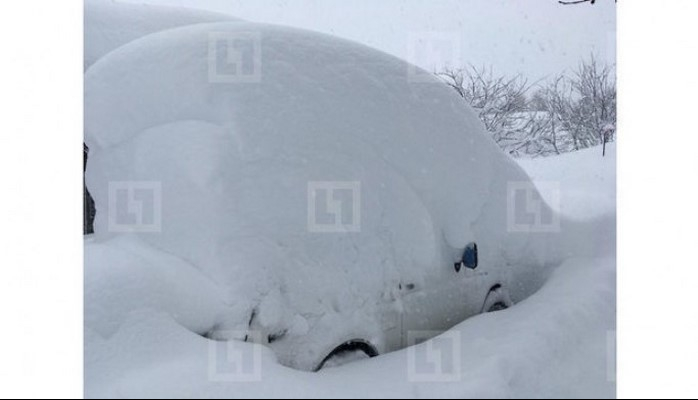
501, 102
555, 107
570, 2
568, 112
595, 87
580, 107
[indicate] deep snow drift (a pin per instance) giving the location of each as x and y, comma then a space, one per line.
560, 342
587, 180
233, 161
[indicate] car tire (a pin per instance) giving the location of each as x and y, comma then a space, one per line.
347, 353
497, 299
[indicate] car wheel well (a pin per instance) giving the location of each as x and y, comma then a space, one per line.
497, 299
349, 347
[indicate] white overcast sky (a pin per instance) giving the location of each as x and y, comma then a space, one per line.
536, 38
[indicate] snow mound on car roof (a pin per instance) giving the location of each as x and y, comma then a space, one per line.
109, 24
308, 126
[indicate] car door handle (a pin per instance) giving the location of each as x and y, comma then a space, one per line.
408, 287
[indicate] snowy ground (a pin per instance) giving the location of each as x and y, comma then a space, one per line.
587, 180
557, 343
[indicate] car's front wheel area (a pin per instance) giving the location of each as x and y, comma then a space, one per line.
497, 299
350, 351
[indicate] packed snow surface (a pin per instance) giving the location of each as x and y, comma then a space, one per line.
234, 160
587, 189
559, 343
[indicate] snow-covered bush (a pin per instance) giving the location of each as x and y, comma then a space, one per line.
568, 112
499, 101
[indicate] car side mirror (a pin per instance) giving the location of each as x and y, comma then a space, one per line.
470, 258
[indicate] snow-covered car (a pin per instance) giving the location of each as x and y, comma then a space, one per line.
343, 200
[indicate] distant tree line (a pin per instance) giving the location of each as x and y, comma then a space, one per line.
568, 112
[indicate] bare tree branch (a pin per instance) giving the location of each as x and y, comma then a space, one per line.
576, 1
566, 113
569, 2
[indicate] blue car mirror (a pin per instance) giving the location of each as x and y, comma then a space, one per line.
470, 256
